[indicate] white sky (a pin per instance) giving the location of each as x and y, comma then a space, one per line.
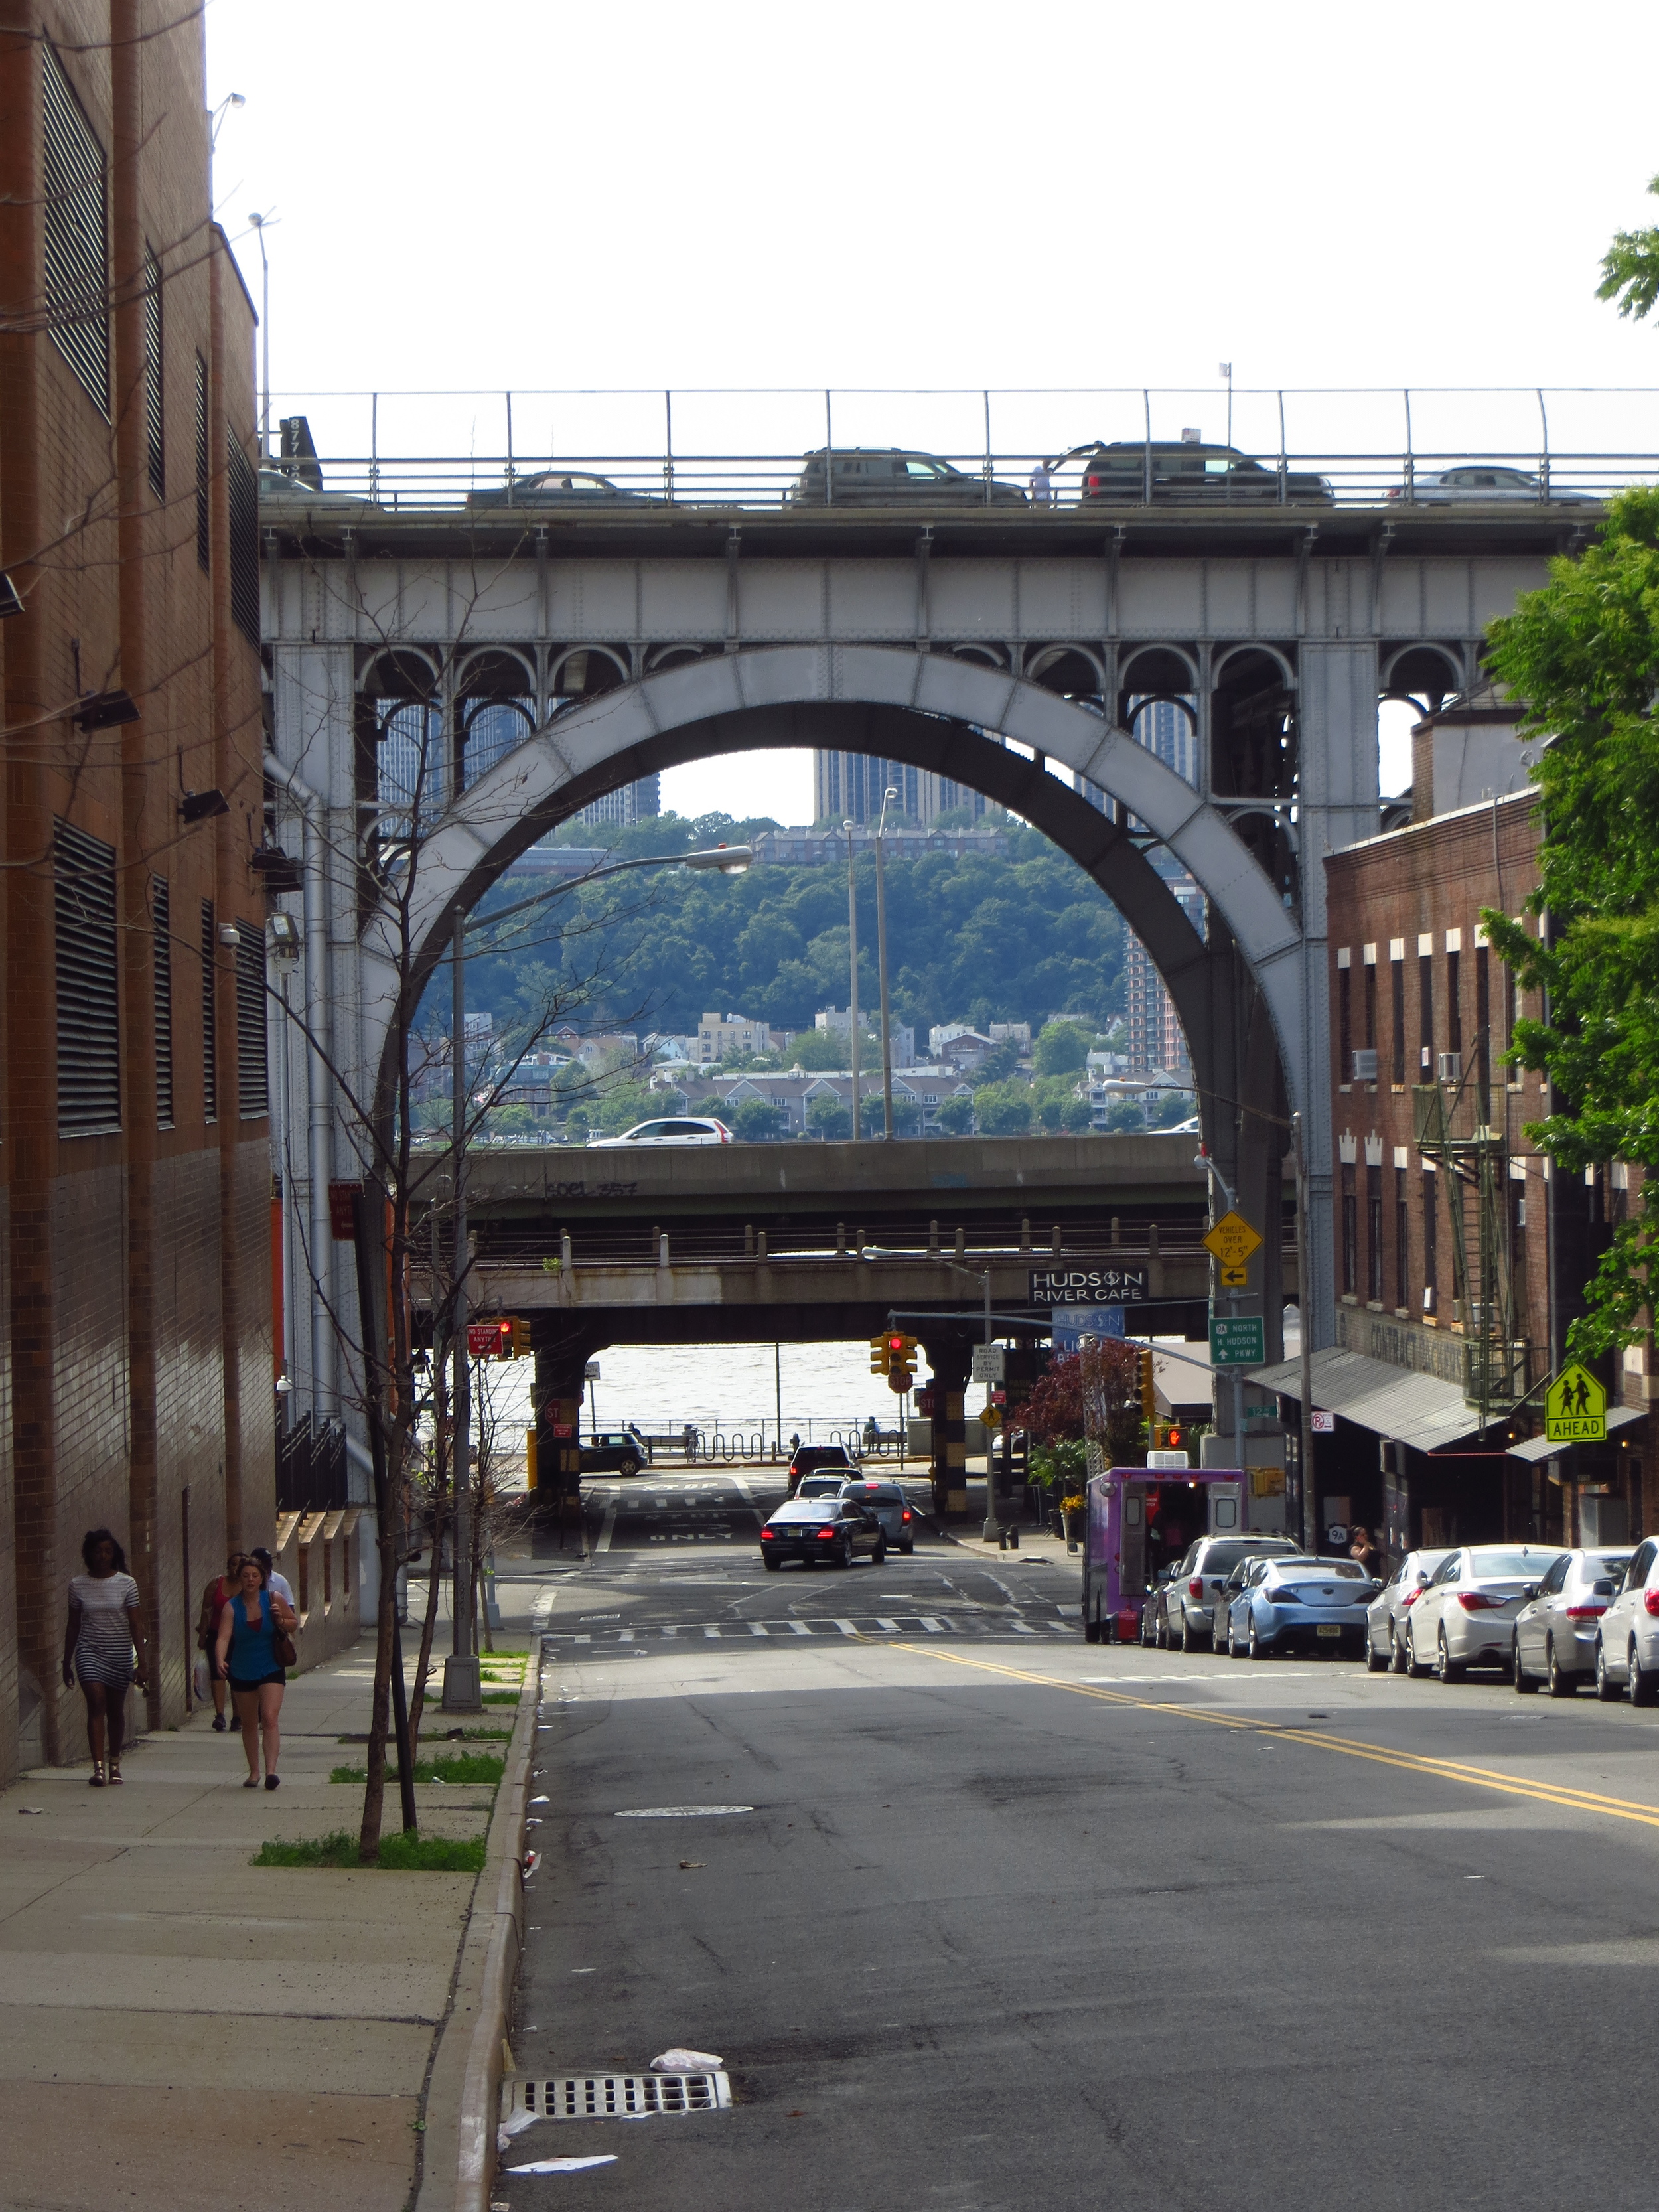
917, 194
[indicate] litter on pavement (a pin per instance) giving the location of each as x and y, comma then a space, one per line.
564, 2165
685, 2061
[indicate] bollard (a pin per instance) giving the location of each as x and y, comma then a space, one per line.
1013, 1539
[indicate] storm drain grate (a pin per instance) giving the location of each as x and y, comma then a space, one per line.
616, 2096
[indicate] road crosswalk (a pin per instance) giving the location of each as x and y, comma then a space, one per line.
988, 1623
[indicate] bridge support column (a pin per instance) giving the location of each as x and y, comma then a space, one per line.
558, 1405
948, 1357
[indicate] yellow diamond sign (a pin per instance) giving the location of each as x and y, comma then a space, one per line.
1232, 1241
1576, 1408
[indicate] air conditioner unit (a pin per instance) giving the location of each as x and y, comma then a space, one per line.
1364, 1067
1451, 1067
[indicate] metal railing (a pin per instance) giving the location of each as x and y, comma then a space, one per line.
566, 453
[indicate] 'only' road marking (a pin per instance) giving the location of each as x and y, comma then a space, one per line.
1444, 1769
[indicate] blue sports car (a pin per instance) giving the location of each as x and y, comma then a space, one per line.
1301, 1604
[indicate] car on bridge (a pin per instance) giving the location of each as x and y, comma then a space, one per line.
1484, 484
1218, 475
682, 1129
889, 476
562, 487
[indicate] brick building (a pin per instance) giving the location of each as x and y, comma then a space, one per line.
135, 1352
1421, 1009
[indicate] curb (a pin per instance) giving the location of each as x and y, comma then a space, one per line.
464, 2089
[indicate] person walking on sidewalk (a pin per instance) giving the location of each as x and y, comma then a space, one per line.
104, 1647
280, 1583
247, 1657
215, 1598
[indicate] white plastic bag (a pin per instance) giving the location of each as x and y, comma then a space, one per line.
686, 2061
204, 1687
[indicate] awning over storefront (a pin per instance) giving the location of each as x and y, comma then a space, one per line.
1537, 1448
1419, 1410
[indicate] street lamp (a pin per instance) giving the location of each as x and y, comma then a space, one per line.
881, 966
257, 224
462, 1684
853, 955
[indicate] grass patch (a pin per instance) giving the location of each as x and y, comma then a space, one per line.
399, 1853
501, 1697
464, 1766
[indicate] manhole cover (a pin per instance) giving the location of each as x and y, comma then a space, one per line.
615, 2096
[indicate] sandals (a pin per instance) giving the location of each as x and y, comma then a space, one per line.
115, 1769
252, 1782
95, 1779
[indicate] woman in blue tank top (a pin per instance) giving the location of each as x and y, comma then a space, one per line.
247, 1658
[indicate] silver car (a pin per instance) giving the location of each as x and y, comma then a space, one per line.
1228, 1611
1385, 1620
890, 1505
1187, 1618
1627, 1637
1465, 1617
1487, 482
1556, 1632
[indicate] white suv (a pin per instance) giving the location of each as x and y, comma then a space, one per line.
684, 1129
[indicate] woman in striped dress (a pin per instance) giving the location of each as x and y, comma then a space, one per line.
104, 1646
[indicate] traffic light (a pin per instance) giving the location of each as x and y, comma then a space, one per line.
901, 1360
1148, 1391
1167, 1436
517, 1345
878, 1355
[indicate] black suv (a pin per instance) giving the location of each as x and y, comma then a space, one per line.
818, 1459
1214, 474
888, 477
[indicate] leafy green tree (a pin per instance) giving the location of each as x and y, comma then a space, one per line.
1077, 1118
907, 1116
628, 1103
1050, 1095
578, 1126
1171, 1107
515, 1121
1630, 269
819, 1050
1583, 653
1124, 1115
1003, 1110
955, 1115
827, 1117
997, 1065
1062, 1048
756, 1120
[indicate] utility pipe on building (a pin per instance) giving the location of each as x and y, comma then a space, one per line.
853, 994
881, 966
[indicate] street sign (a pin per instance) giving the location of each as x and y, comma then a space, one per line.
483, 1338
1323, 1425
1088, 1286
1576, 1408
1232, 1241
991, 1416
591, 1372
1071, 1324
1237, 1341
986, 1363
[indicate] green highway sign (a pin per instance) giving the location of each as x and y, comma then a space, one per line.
1576, 1408
1237, 1341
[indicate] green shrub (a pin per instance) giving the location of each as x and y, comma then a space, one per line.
399, 1853
501, 1697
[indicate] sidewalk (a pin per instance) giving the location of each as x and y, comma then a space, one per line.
183, 2031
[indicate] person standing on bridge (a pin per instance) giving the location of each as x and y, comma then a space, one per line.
1043, 486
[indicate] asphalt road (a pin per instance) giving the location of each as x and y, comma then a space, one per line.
1006, 1921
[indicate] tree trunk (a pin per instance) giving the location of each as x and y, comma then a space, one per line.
434, 1584
368, 1837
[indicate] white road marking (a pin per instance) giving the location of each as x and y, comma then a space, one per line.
609, 1523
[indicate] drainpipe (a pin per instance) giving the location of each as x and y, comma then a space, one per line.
324, 1393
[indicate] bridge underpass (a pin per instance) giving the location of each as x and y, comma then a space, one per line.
809, 1242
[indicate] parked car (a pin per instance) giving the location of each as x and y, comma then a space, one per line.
1231, 1616
1306, 1604
1187, 1613
282, 490
1485, 484
1218, 475
1385, 1629
835, 1529
1466, 1616
562, 487
1627, 1635
1151, 1605
817, 1459
612, 1451
889, 477
888, 1503
1556, 1632
684, 1129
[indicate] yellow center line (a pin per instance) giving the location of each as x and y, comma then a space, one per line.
1441, 1770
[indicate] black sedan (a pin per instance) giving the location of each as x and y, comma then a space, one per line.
835, 1529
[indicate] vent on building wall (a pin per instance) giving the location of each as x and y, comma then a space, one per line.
153, 415
161, 940
1451, 1067
209, 1021
203, 509
243, 543
87, 983
75, 233
1364, 1066
252, 1098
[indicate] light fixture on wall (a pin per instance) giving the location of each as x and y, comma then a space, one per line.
201, 807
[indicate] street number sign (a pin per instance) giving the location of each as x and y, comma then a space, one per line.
1232, 1241
1576, 1408
1237, 1341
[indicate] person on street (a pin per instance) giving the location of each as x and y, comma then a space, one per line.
245, 1657
215, 1598
1043, 484
104, 1647
1364, 1549
280, 1583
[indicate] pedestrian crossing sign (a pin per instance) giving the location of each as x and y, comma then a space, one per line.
1576, 1408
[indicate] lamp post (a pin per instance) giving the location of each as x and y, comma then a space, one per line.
881, 966
853, 990
258, 222
462, 1685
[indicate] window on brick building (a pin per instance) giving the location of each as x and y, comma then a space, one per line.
153, 415
1518, 1252
243, 543
1374, 1235
87, 983
1397, 987
1426, 1014
1401, 1241
1431, 1268
1483, 1030
210, 1020
75, 234
162, 953
1454, 1002
1350, 1232
252, 1099
203, 508
1370, 1005
1345, 1022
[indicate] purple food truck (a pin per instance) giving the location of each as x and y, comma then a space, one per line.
1123, 1504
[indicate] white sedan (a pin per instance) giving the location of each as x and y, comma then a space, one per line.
1466, 1616
684, 1129
1485, 482
1627, 1643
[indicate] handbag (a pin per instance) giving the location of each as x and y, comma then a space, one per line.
282, 1643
